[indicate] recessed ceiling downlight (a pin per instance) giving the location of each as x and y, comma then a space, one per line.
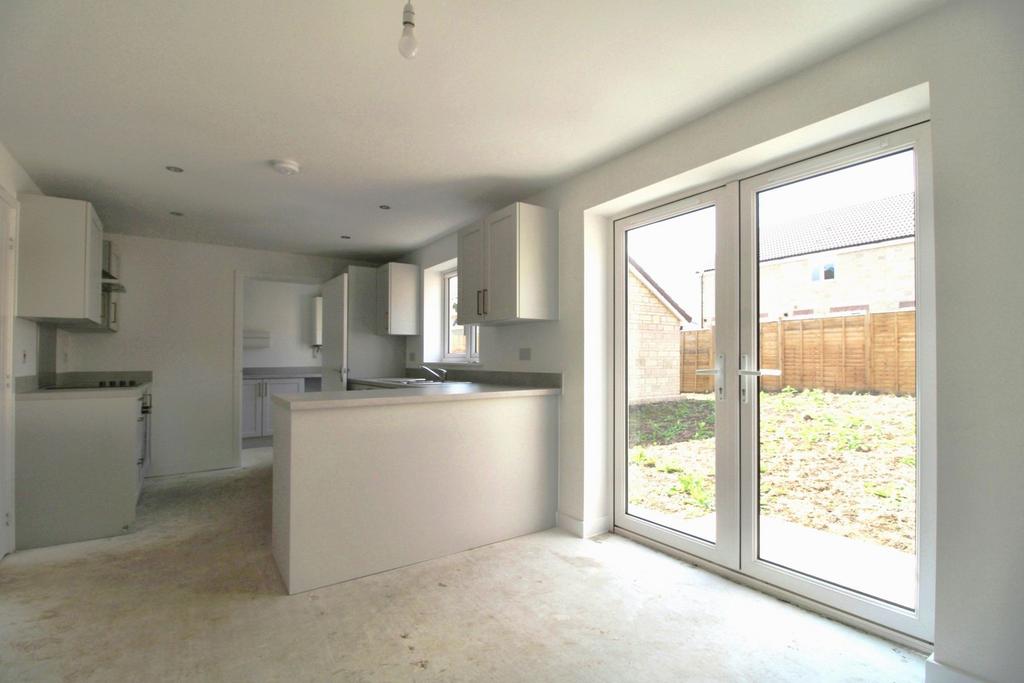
346, 237
286, 166
175, 169
385, 207
179, 214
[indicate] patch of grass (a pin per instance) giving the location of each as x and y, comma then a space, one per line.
841, 463
697, 488
886, 490
671, 422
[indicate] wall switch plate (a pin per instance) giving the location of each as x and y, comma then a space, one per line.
525, 353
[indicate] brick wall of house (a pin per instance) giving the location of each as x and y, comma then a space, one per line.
653, 344
879, 277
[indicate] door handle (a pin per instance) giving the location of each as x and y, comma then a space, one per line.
748, 373
718, 373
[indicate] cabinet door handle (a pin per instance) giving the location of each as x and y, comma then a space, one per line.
113, 312
485, 302
478, 311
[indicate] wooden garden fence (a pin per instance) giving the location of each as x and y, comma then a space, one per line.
872, 352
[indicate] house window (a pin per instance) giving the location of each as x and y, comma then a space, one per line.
461, 343
823, 271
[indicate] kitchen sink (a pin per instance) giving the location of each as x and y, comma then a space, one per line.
405, 382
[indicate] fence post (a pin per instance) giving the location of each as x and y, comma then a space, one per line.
821, 351
781, 341
869, 379
896, 343
842, 348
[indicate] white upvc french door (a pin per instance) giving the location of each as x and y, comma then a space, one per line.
887, 580
699, 230
806, 321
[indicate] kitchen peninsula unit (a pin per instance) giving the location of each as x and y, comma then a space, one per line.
367, 481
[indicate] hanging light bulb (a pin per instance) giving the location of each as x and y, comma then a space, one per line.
407, 44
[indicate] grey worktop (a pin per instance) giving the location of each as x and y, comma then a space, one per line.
50, 394
428, 394
282, 373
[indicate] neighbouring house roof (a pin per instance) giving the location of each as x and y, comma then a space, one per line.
660, 293
881, 220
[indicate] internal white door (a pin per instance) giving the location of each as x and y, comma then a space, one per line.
333, 353
775, 379
8, 237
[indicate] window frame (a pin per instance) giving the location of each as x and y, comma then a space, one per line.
472, 354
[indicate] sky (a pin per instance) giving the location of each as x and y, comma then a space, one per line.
674, 250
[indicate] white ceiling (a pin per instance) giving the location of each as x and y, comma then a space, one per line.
505, 98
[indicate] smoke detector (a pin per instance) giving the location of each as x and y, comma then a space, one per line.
286, 166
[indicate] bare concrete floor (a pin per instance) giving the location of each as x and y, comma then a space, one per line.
193, 595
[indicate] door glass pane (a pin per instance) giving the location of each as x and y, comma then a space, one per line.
670, 424
837, 429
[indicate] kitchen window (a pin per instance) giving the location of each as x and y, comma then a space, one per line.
461, 343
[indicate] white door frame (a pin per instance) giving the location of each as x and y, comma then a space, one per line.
919, 622
917, 627
239, 357
725, 549
8, 296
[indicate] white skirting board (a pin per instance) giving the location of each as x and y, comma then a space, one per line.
936, 672
585, 529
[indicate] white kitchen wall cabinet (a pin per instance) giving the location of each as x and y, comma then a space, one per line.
472, 255
60, 261
508, 267
257, 408
397, 305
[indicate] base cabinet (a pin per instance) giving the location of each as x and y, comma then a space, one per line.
257, 408
79, 481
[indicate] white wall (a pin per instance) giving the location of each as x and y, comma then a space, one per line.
285, 310
177, 320
972, 57
15, 180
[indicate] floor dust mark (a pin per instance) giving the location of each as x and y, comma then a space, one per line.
582, 562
